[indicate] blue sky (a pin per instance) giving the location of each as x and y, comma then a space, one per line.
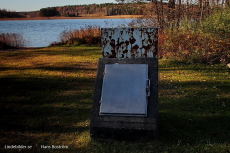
34, 5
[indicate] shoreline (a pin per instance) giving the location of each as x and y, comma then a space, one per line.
80, 17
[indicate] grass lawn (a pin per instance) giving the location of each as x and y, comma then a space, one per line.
46, 97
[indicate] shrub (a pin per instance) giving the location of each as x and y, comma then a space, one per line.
90, 35
207, 41
11, 40
194, 47
218, 24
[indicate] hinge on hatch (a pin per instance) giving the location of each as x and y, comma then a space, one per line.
148, 88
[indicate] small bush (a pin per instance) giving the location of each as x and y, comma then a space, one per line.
198, 42
11, 40
56, 44
194, 47
90, 35
218, 24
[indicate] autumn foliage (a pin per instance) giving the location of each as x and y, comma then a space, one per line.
207, 41
90, 35
193, 47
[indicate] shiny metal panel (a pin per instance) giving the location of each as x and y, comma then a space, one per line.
124, 90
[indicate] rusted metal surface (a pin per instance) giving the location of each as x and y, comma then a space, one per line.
129, 42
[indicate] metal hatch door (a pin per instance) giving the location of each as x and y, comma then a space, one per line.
124, 90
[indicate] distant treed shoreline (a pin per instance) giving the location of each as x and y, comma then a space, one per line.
80, 17
99, 10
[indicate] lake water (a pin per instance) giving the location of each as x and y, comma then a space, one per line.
41, 33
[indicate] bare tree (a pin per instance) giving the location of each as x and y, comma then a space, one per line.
170, 12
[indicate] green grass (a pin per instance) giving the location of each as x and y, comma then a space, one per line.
46, 98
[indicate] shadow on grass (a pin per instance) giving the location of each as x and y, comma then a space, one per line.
46, 102
55, 109
33, 107
67, 69
77, 67
193, 130
194, 112
193, 117
167, 65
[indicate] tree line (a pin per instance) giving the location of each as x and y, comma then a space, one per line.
10, 14
47, 12
106, 9
170, 11
165, 13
